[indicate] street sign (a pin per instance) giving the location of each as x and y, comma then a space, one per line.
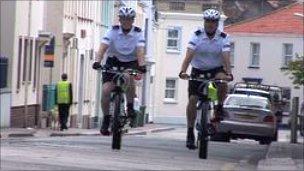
49, 54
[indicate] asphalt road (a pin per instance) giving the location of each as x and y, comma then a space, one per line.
155, 151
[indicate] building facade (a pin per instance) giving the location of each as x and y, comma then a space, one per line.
78, 27
21, 22
262, 48
173, 31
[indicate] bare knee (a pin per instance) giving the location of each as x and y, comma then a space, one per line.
222, 92
106, 90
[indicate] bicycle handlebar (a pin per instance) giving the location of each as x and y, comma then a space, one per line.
115, 70
200, 79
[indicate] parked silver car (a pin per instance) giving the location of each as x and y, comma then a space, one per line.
247, 116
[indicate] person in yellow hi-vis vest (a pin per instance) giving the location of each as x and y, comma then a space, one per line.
64, 99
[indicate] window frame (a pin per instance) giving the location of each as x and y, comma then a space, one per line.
284, 62
31, 46
174, 89
25, 57
19, 62
176, 48
252, 65
177, 6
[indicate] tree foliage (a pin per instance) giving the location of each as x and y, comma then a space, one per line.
295, 69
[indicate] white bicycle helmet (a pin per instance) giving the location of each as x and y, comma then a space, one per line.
127, 12
211, 14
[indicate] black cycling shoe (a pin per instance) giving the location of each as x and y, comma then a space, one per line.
105, 125
190, 142
105, 132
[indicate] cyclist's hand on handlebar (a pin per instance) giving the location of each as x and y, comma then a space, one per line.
230, 77
183, 75
96, 65
142, 69
224, 76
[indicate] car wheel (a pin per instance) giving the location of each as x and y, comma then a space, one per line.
222, 137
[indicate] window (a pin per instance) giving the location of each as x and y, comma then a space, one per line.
177, 6
208, 6
25, 58
286, 94
36, 62
31, 60
173, 38
232, 54
255, 55
106, 13
19, 62
287, 54
170, 91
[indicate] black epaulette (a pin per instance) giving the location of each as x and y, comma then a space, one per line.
223, 35
198, 32
137, 29
115, 27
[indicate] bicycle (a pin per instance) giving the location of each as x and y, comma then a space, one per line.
203, 125
118, 101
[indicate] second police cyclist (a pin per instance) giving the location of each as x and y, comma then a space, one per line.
208, 52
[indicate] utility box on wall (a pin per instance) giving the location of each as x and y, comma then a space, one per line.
49, 95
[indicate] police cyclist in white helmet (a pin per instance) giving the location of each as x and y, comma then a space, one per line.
208, 53
123, 46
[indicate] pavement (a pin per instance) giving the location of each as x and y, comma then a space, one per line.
283, 155
47, 132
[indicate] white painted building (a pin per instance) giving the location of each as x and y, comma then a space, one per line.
170, 94
263, 47
21, 22
78, 27
84, 23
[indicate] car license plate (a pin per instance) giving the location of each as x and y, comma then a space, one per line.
244, 116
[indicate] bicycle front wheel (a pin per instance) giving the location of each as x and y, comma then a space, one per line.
116, 141
203, 135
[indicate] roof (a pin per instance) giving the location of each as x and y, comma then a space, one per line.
287, 20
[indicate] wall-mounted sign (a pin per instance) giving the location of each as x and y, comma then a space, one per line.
49, 54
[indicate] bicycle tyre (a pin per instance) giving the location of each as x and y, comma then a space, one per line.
203, 138
116, 141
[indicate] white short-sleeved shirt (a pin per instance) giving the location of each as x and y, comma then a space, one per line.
208, 52
123, 46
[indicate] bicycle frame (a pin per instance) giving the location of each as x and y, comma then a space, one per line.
118, 103
203, 125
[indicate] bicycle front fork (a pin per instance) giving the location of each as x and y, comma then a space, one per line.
203, 124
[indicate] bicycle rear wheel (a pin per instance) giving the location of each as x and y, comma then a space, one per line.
116, 129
